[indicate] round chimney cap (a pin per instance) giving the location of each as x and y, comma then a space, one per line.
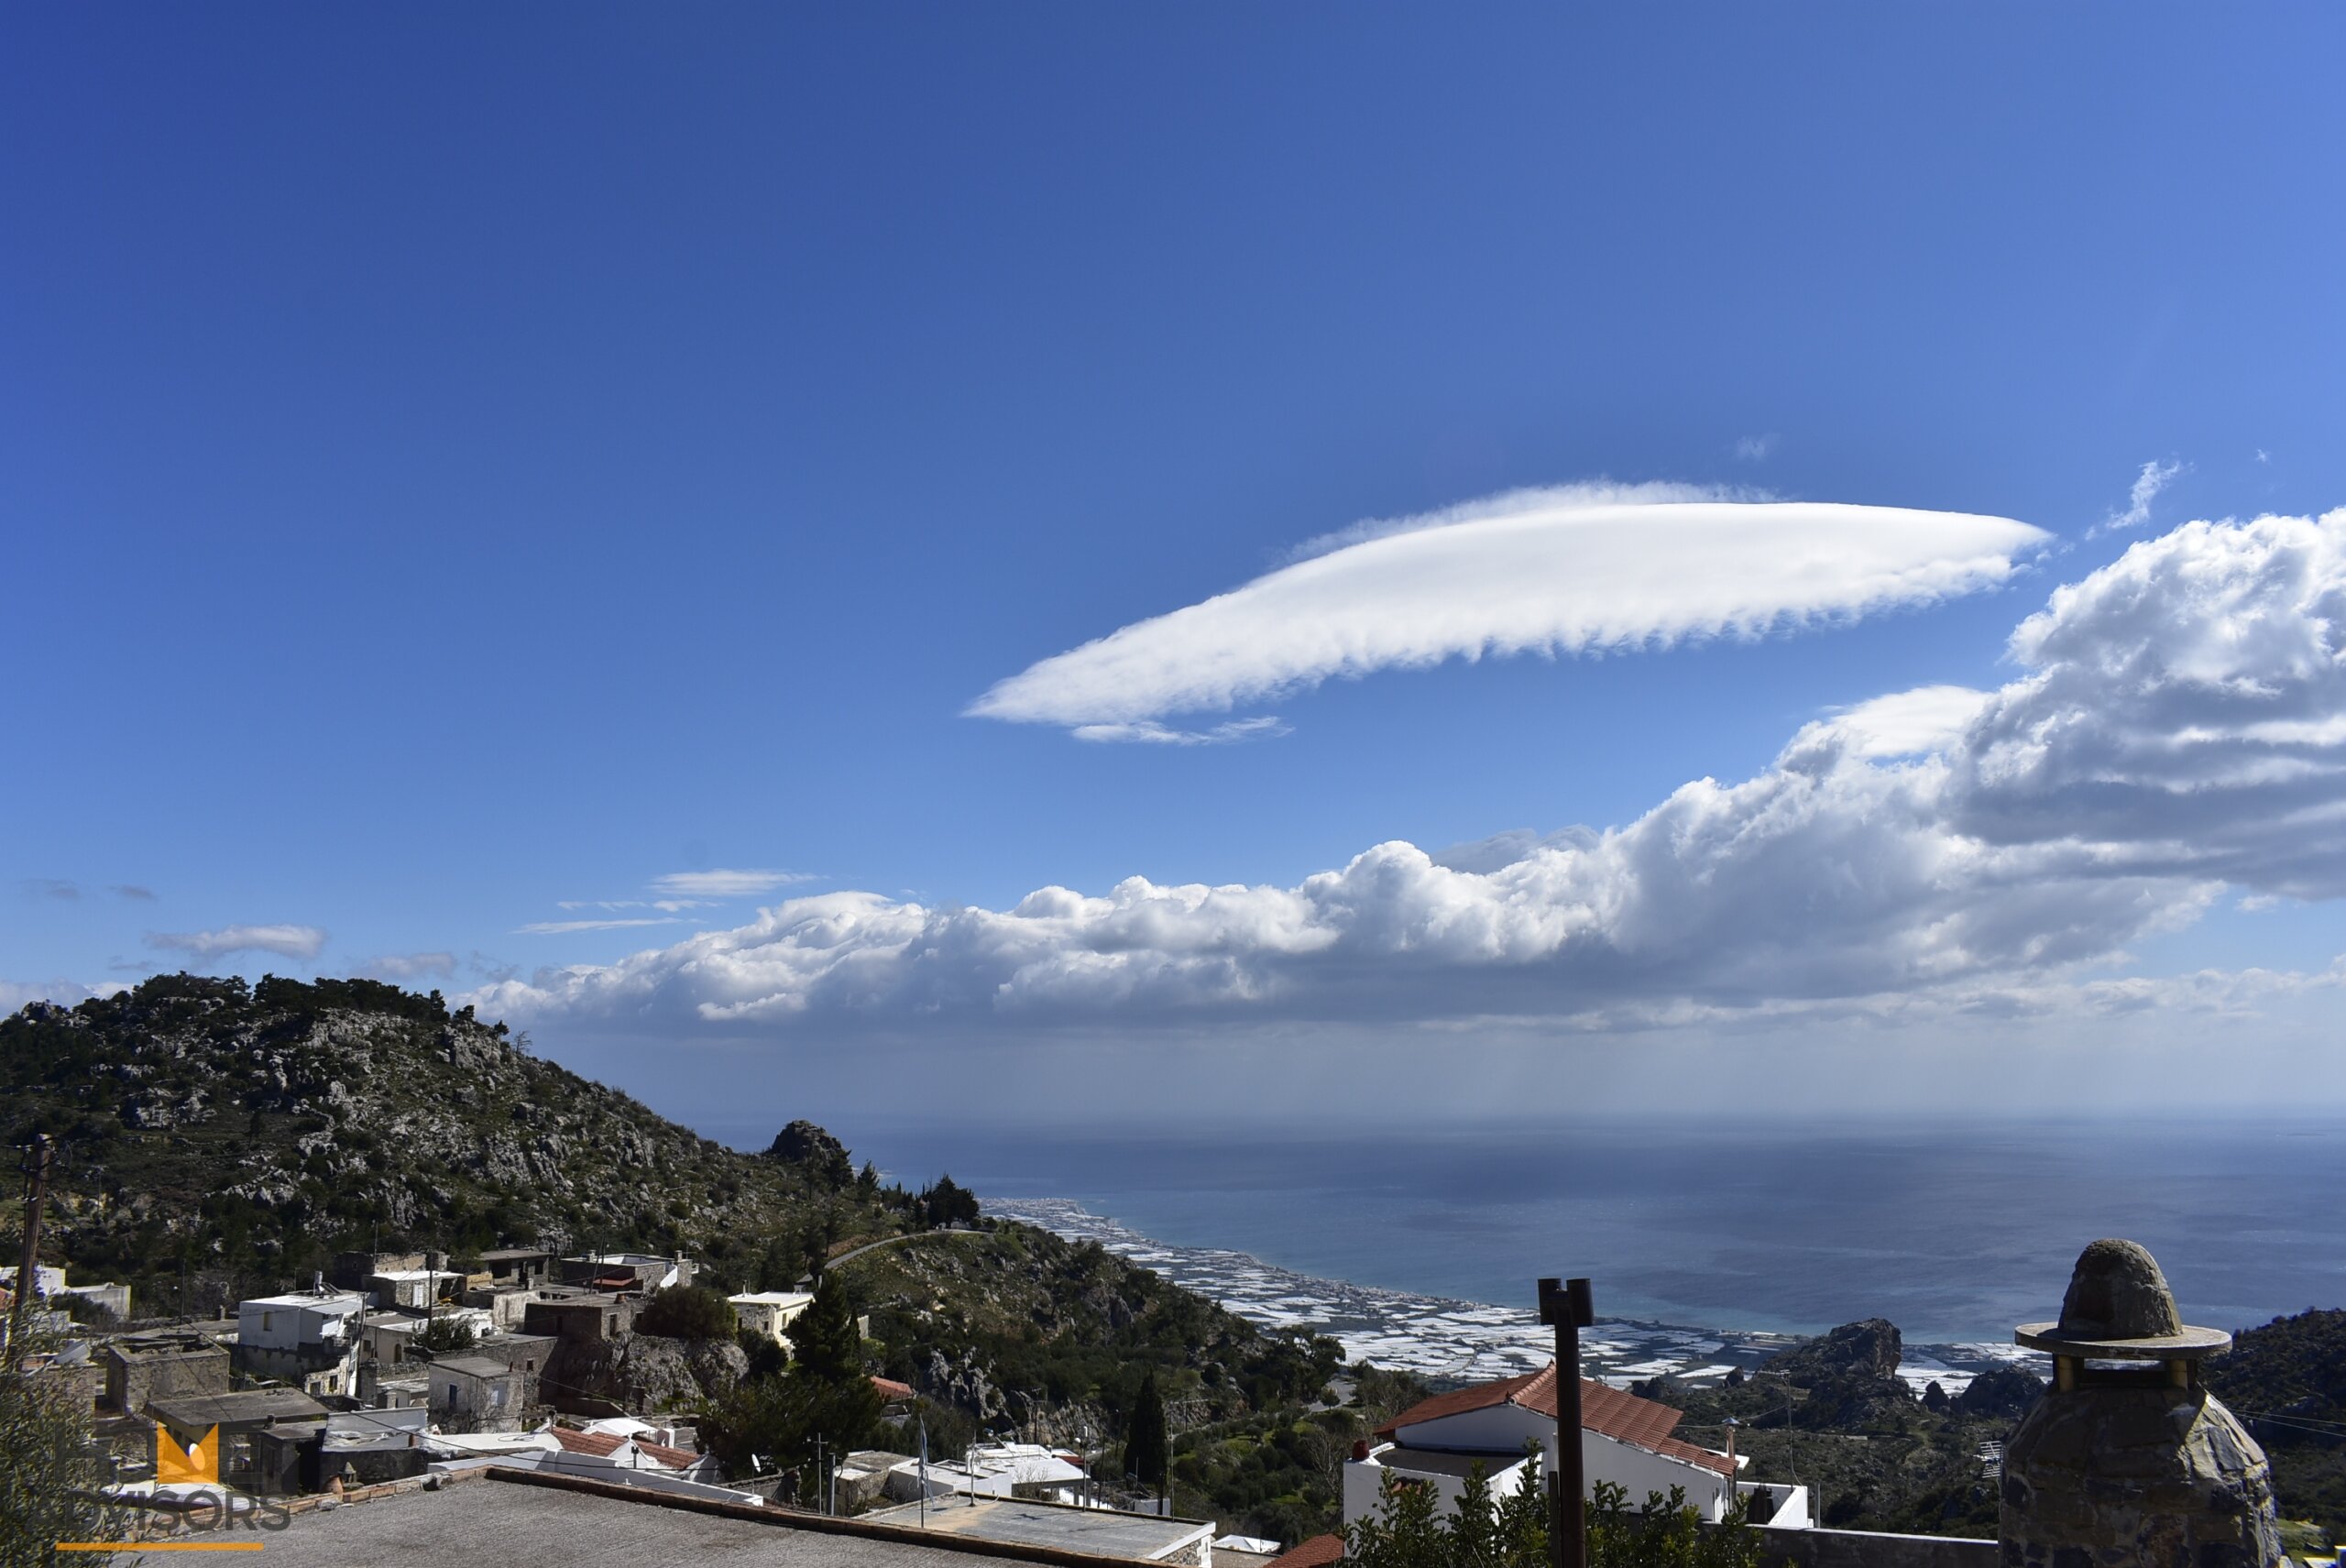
2119, 1306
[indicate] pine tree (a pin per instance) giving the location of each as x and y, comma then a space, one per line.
824, 1343
1147, 1444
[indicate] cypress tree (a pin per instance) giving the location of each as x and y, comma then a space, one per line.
1147, 1444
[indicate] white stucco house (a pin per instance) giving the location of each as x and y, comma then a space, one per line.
308, 1340
769, 1313
1623, 1440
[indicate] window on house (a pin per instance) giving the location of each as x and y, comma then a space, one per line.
266, 1319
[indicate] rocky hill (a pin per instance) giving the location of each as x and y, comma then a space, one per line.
222, 1140
2286, 1381
242, 1134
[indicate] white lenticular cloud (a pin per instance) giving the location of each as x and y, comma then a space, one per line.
2178, 729
287, 941
1550, 571
725, 883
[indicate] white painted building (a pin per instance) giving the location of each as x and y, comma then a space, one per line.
308, 1340
413, 1287
48, 1278
48, 1283
991, 1470
769, 1313
1623, 1440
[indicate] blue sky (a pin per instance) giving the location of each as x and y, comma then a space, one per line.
461, 464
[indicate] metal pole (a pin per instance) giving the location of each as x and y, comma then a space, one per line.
1567, 1306
36, 1168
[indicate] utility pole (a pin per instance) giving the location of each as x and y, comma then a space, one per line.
1567, 1306
38, 1162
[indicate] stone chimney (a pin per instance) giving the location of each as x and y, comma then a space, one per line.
2128, 1460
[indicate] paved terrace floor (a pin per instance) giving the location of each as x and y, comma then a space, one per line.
486, 1523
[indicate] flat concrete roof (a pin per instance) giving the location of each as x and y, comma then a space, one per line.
1098, 1530
473, 1366
493, 1524
243, 1408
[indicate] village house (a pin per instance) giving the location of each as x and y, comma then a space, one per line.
416, 1289
363, 1447
524, 1354
48, 1285
351, 1270
769, 1314
190, 1419
140, 1367
308, 1340
475, 1393
991, 1470
579, 1315
626, 1271
528, 1266
591, 1452
1624, 1439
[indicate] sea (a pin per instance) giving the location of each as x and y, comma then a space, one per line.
1709, 1243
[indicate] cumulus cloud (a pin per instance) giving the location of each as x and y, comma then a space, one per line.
406, 966
2156, 476
288, 941
1756, 448
725, 883
1552, 571
2178, 729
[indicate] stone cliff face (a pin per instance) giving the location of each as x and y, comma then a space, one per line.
639, 1372
1851, 1374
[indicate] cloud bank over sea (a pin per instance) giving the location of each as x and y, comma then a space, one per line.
2175, 731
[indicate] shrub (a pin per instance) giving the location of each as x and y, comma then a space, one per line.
686, 1311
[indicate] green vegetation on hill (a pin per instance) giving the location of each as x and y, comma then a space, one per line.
2286, 1381
1279, 1473
1016, 1317
1834, 1416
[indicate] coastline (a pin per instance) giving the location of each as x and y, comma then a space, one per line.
1448, 1340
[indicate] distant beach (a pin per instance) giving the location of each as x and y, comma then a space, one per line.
1457, 1342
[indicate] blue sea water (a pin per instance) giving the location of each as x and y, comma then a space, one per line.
1954, 1229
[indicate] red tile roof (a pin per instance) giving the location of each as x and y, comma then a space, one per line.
890, 1389
1316, 1553
603, 1444
1624, 1418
